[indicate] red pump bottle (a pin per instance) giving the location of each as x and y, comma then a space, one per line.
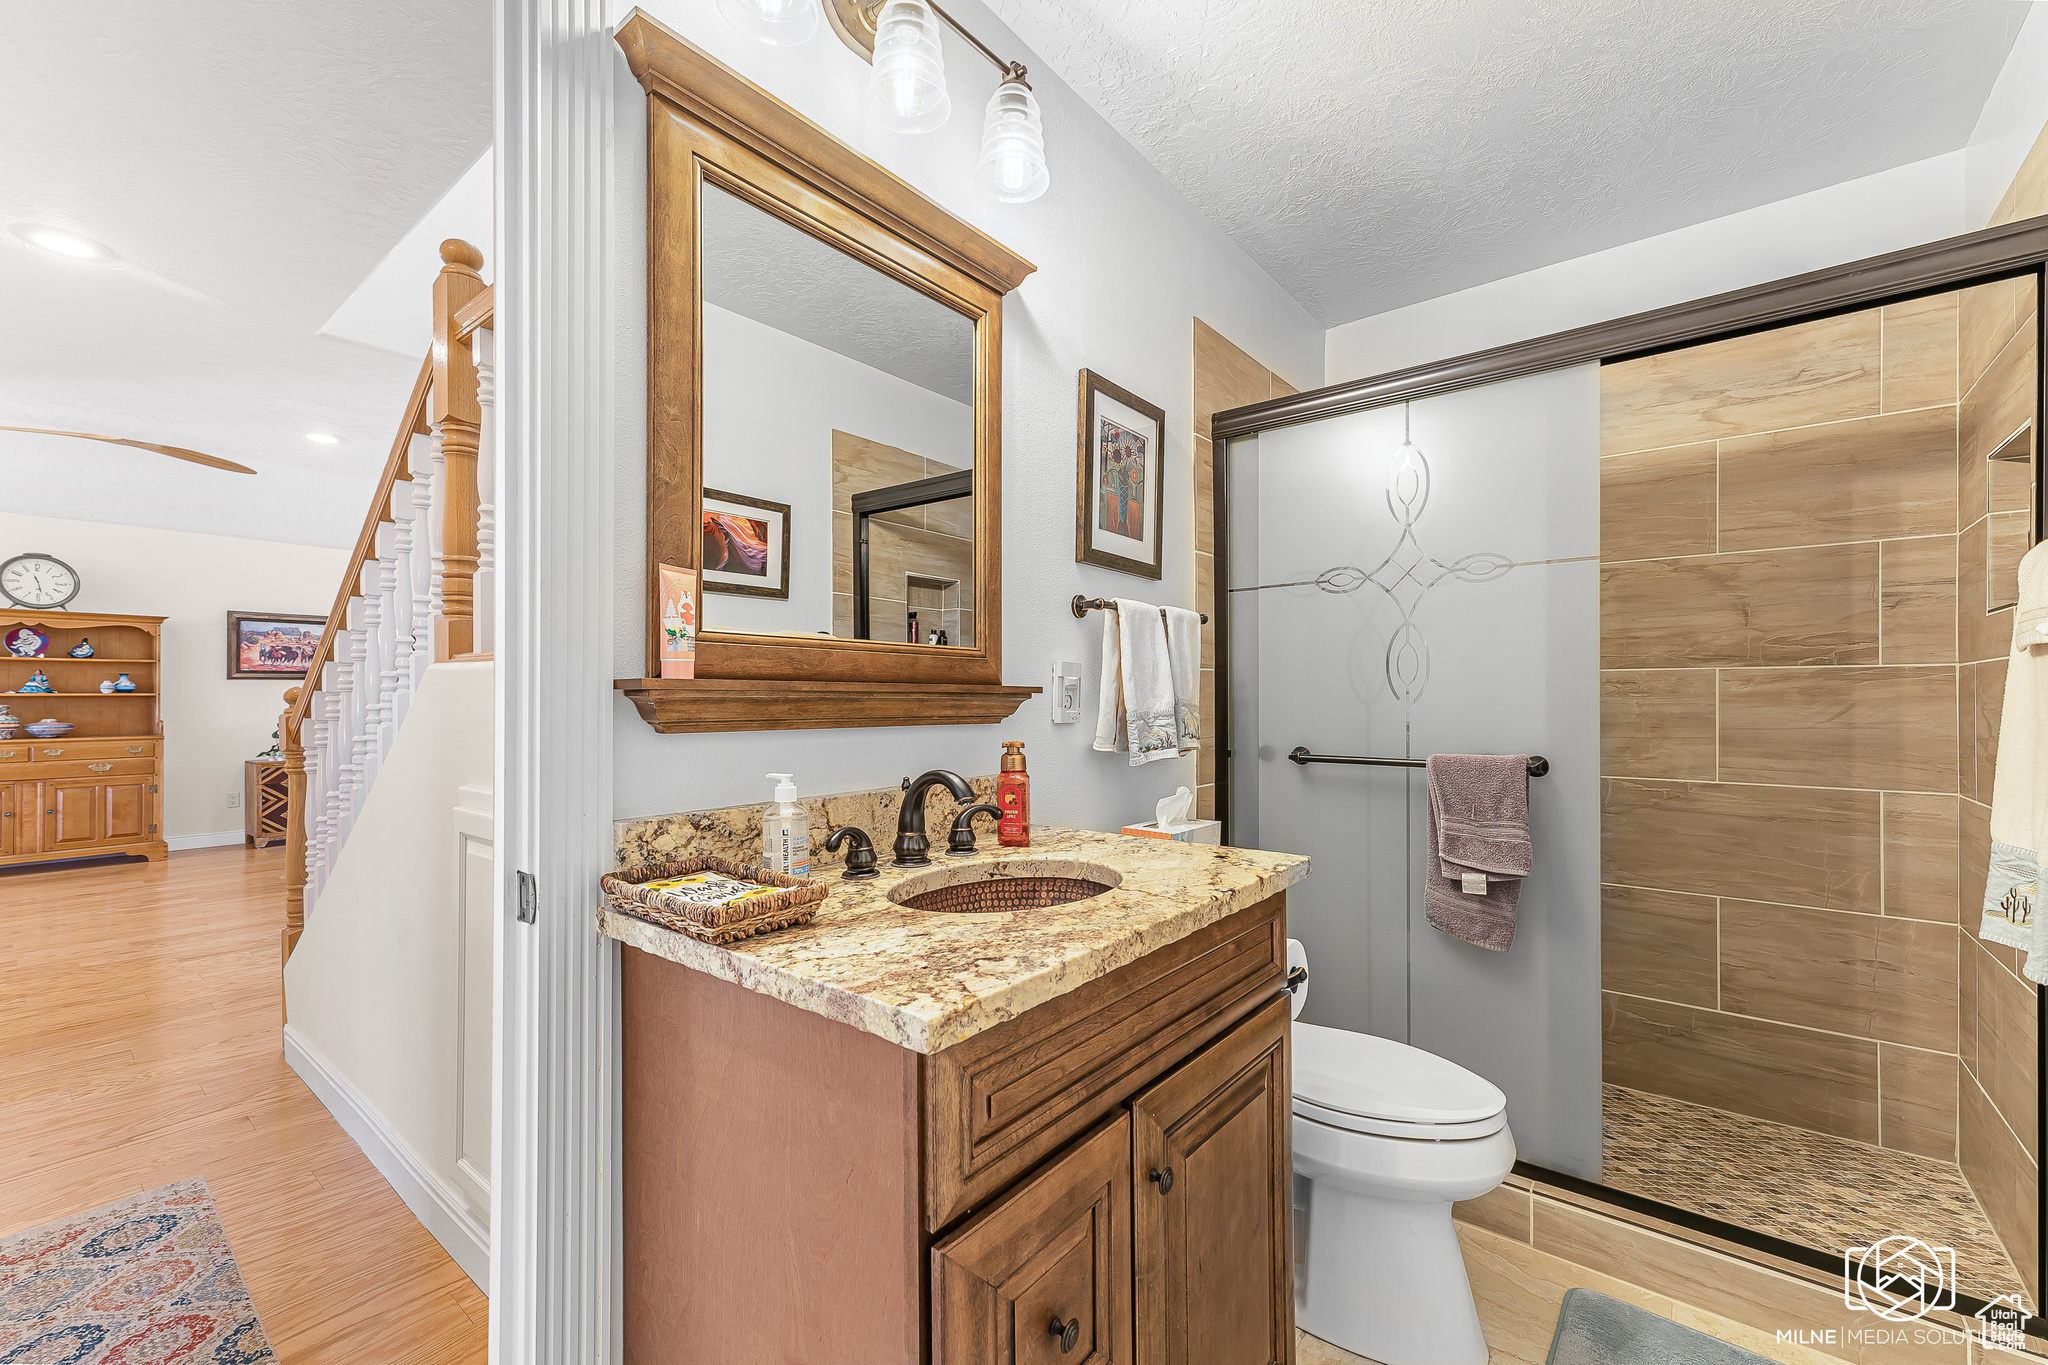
1013, 798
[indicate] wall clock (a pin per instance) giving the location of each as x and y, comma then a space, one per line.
38, 580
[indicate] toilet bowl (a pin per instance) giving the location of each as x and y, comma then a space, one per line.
1388, 1137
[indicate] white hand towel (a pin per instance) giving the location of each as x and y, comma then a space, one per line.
1184, 655
1138, 707
2019, 800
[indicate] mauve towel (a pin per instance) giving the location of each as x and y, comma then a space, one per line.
1478, 822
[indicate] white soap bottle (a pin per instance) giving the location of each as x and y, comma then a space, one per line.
786, 831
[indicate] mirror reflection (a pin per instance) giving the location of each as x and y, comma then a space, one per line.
838, 441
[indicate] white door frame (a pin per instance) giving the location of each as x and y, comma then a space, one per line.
554, 1215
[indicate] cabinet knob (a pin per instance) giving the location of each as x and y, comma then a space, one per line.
135, 748
1069, 1332
1163, 1179
51, 753
101, 767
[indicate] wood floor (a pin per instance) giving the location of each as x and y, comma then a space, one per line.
139, 1044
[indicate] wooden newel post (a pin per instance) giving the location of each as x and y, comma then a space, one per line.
295, 824
457, 421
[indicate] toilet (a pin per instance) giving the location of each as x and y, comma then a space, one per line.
1388, 1137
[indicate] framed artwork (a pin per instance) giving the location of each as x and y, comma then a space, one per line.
1119, 518
746, 545
266, 645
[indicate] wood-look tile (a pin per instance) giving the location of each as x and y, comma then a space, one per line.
2007, 538
1282, 389
1981, 632
1986, 317
1823, 1081
860, 464
2010, 484
1793, 376
1205, 497
1889, 979
1791, 845
2007, 1046
1503, 1210
2001, 401
1887, 728
1921, 849
1873, 478
2004, 1178
1973, 831
1225, 377
1657, 722
1920, 353
1519, 1293
1916, 1093
1966, 732
1817, 605
1987, 710
1658, 944
1205, 802
1970, 959
1205, 757
1917, 601
1205, 602
896, 552
1658, 503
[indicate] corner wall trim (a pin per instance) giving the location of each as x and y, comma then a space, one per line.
179, 843
437, 1208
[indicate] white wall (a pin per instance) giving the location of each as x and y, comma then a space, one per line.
1115, 292
1903, 207
771, 401
2010, 124
212, 723
374, 992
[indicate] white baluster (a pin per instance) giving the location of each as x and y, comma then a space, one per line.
362, 688
438, 475
484, 345
425, 545
370, 676
387, 639
401, 611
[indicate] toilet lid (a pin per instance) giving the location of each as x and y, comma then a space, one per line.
1342, 1072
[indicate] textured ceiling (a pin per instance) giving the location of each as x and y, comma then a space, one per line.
760, 267
1370, 156
250, 164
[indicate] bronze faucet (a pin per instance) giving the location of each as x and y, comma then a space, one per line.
912, 848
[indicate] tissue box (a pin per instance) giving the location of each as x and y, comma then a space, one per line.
1193, 832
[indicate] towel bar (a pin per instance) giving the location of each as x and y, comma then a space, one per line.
1084, 605
1538, 764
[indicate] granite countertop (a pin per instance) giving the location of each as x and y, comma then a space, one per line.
926, 980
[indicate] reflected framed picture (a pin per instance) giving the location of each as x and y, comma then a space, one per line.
1119, 520
267, 645
746, 545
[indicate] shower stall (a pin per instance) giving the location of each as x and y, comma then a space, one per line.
1743, 574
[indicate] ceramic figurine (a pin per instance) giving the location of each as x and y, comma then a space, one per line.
107, 686
10, 724
26, 642
82, 650
38, 681
124, 684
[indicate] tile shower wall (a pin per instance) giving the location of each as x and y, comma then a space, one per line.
1800, 539
919, 559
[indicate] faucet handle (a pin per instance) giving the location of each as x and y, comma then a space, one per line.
860, 859
960, 843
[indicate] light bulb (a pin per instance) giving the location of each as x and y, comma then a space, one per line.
779, 23
1013, 145
908, 90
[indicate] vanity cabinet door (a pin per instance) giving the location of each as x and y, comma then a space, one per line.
1044, 1275
10, 821
1212, 1169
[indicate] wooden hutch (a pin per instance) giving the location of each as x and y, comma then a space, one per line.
99, 789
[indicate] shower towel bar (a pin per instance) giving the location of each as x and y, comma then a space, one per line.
1084, 605
1538, 764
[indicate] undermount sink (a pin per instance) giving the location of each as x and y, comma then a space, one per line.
1013, 884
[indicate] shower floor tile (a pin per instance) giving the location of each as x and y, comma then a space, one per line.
1823, 1192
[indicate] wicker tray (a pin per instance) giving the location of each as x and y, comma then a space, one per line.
796, 903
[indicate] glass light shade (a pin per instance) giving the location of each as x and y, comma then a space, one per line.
779, 23
1013, 145
908, 90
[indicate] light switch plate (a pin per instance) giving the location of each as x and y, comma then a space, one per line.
1066, 693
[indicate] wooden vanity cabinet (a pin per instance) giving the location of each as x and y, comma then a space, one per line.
798, 1190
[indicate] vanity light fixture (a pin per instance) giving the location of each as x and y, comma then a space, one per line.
58, 242
778, 23
1013, 144
908, 90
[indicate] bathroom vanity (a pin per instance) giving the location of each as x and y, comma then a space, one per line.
928, 1135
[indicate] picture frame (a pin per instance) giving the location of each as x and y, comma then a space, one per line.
1119, 509
745, 545
271, 644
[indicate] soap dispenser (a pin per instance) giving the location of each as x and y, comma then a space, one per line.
786, 831
1013, 797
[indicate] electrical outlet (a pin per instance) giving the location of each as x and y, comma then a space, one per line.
234, 800
1066, 693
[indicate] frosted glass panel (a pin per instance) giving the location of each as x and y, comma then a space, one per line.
1463, 635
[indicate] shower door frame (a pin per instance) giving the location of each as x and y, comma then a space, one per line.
1953, 263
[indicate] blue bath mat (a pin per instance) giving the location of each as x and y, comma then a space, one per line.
1594, 1329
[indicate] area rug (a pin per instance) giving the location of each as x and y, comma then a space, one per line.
1593, 1329
144, 1281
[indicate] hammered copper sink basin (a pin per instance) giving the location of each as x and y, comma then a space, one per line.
999, 888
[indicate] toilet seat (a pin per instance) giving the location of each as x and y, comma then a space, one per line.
1364, 1084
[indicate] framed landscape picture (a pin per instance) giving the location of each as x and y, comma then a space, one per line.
746, 545
1118, 518
267, 645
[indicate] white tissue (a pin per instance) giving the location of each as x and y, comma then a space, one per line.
1177, 809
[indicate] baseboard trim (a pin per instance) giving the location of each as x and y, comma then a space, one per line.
437, 1207
179, 843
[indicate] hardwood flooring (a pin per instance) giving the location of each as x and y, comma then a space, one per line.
140, 1009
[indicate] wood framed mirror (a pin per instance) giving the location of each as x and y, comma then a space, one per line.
824, 419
